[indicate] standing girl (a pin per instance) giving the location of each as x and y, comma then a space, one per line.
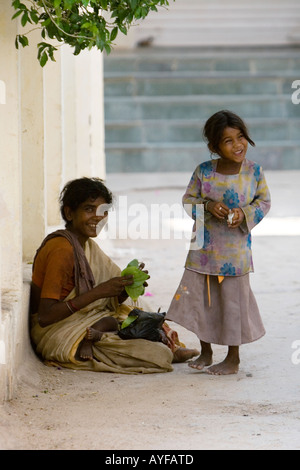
214, 298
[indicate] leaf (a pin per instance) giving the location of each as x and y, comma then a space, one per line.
68, 4
107, 49
139, 277
114, 33
24, 18
130, 319
103, 4
134, 262
43, 59
16, 14
123, 29
34, 16
133, 4
23, 40
16, 4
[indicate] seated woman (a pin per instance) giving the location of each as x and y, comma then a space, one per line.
78, 296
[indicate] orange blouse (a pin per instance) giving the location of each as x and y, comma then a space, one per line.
53, 269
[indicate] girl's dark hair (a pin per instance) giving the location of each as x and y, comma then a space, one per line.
215, 125
77, 191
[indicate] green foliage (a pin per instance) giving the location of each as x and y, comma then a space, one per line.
82, 24
139, 277
130, 319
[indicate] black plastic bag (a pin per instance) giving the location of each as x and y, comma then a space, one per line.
147, 325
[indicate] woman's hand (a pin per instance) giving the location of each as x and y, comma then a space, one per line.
218, 209
51, 310
141, 267
115, 286
123, 296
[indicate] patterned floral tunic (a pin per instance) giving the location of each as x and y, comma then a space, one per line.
225, 251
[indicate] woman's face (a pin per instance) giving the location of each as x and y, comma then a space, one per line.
233, 145
85, 219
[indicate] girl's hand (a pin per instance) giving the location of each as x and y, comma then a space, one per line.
238, 217
218, 209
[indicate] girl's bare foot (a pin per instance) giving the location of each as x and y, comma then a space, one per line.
204, 360
230, 365
226, 367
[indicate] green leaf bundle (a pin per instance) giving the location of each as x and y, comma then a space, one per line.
139, 277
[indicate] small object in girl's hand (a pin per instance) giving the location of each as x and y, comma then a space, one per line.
230, 217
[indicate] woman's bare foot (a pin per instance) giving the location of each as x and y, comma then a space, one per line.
226, 367
184, 354
93, 335
204, 360
85, 349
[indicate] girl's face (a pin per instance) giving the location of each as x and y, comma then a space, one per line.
84, 220
233, 145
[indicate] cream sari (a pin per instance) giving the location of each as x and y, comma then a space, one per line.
57, 344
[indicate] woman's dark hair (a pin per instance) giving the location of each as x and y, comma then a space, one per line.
77, 191
215, 125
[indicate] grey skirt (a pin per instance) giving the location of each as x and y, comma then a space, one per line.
223, 313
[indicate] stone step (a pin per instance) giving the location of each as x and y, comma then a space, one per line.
190, 131
242, 19
197, 107
271, 6
170, 157
195, 83
218, 23
185, 60
157, 101
267, 35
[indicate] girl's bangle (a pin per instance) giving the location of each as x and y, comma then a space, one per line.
205, 205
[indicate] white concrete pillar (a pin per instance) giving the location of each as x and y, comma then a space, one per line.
10, 161
83, 114
11, 197
33, 155
97, 124
53, 138
68, 114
